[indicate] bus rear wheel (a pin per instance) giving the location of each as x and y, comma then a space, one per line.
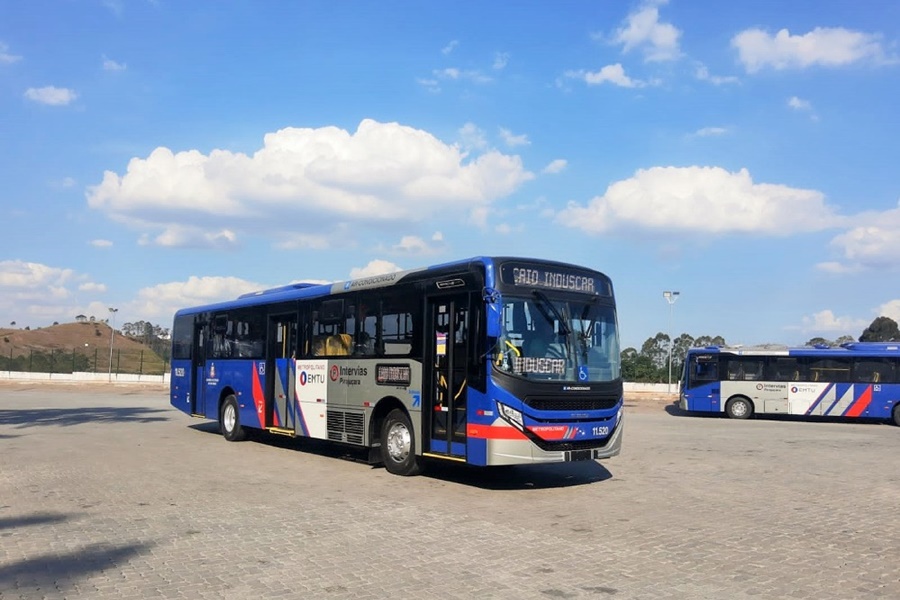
896, 414
398, 445
739, 408
230, 420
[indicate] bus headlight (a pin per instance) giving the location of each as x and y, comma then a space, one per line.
512, 415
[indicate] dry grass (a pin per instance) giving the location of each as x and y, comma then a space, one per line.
91, 339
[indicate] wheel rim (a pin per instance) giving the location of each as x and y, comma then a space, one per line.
739, 408
229, 418
399, 442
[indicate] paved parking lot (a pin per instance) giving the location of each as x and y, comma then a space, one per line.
116, 495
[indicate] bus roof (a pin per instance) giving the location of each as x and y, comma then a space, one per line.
846, 349
301, 290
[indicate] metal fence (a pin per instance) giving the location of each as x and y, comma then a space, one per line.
94, 360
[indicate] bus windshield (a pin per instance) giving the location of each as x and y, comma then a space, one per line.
546, 338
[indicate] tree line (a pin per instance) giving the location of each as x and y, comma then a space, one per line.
651, 363
155, 337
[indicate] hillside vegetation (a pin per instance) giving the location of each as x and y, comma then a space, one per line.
82, 346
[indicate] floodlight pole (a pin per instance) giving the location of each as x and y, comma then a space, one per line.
671, 297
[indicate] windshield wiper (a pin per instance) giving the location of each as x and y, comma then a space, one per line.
564, 328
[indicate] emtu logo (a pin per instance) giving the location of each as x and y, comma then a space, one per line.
302, 377
335, 372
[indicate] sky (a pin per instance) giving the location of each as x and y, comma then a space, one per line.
157, 154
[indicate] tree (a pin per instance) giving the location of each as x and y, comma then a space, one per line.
657, 349
882, 329
705, 340
819, 341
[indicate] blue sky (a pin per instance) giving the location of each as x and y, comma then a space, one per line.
159, 154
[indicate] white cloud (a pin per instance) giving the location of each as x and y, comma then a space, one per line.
432, 85
643, 30
710, 131
449, 48
798, 103
501, 59
614, 74
101, 243
5, 57
35, 294
158, 303
702, 73
97, 288
181, 236
555, 166
891, 310
874, 243
111, 65
384, 172
825, 321
823, 46
457, 74
18, 275
701, 199
50, 95
513, 140
412, 244
472, 137
375, 267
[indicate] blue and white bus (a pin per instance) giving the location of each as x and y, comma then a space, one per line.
857, 379
485, 361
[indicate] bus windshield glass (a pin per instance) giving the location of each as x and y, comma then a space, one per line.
547, 338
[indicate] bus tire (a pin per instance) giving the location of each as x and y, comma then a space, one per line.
896, 414
398, 445
230, 420
739, 408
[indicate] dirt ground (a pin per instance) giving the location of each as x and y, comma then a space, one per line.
634, 401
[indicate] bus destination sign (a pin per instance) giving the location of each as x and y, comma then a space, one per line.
553, 278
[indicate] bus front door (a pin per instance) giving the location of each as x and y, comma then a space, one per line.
280, 407
447, 353
198, 368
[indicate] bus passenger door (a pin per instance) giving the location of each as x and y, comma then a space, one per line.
447, 352
280, 406
198, 368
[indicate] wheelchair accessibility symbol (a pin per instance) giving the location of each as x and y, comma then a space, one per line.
582, 373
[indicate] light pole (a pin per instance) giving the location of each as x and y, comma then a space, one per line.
671, 297
112, 334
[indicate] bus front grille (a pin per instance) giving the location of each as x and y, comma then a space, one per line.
555, 403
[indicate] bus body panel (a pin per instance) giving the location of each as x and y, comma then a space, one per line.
286, 387
847, 399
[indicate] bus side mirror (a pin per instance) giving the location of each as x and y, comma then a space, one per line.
492, 305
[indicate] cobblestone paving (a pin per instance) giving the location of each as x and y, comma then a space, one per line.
117, 495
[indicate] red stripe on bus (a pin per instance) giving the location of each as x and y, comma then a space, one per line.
491, 432
259, 400
860, 404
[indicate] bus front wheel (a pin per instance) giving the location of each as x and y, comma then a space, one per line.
896, 414
230, 420
398, 445
739, 408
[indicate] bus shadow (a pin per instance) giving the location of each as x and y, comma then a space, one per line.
518, 477
815, 419
676, 411
67, 417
